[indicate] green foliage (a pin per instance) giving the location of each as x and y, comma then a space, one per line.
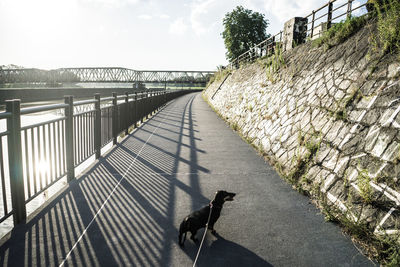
363, 182
235, 126
388, 37
219, 75
383, 248
354, 96
274, 63
339, 32
301, 163
397, 159
243, 29
341, 113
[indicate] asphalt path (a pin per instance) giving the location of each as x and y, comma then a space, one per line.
126, 209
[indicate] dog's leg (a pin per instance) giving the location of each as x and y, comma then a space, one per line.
184, 238
211, 227
182, 233
193, 237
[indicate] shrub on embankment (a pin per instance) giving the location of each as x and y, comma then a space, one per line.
329, 121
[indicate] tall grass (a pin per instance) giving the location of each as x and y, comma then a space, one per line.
339, 32
388, 26
217, 76
274, 63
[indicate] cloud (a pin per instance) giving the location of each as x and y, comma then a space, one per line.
178, 27
284, 10
164, 16
113, 3
205, 15
145, 16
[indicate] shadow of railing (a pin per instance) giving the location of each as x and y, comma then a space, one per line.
122, 210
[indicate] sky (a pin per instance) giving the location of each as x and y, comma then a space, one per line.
135, 34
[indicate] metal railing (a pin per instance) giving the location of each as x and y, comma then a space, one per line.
265, 48
319, 20
35, 157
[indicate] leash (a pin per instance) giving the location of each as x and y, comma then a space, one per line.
204, 235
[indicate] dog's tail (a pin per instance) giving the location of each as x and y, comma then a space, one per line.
182, 232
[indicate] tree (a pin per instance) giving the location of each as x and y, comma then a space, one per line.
243, 29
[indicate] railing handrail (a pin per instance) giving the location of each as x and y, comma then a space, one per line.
5, 115
84, 102
37, 109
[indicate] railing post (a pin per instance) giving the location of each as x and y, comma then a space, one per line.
148, 103
330, 8
142, 103
15, 161
97, 126
152, 101
312, 24
158, 100
349, 8
127, 113
114, 118
136, 111
295, 32
69, 137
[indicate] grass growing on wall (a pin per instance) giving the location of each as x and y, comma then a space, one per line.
274, 63
388, 26
383, 248
340, 32
219, 75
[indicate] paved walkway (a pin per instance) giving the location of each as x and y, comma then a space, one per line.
126, 210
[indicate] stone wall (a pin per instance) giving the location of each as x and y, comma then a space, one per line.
329, 121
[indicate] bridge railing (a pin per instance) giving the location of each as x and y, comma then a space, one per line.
103, 75
36, 156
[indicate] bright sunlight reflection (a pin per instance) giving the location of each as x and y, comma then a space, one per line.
43, 167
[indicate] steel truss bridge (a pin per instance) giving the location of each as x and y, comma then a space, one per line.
102, 75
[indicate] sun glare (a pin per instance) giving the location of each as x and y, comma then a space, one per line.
43, 167
44, 24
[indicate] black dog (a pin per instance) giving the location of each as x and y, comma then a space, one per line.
198, 219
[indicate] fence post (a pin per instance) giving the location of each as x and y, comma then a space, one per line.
330, 8
148, 104
69, 137
15, 161
142, 103
114, 118
136, 111
349, 8
127, 113
312, 24
152, 101
158, 100
97, 126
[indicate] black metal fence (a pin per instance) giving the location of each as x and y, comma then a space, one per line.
63, 143
318, 21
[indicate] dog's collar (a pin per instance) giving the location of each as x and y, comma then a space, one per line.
213, 205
